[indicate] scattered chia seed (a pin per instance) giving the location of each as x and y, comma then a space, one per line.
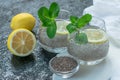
63, 63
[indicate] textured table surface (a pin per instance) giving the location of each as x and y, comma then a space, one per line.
35, 66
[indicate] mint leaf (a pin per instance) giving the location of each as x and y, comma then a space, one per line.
85, 19
47, 18
78, 23
71, 28
81, 38
54, 10
74, 19
51, 30
43, 14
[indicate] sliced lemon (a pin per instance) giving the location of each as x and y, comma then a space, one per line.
61, 27
21, 42
96, 35
23, 20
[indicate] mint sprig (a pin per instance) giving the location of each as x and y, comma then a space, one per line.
78, 23
48, 16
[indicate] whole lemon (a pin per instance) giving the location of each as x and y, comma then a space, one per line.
23, 20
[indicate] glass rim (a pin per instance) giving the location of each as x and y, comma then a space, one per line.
99, 18
64, 10
60, 19
102, 21
93, 16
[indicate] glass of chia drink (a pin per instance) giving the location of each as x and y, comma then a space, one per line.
59, 42
97, 46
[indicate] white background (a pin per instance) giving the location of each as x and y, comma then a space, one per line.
109, 10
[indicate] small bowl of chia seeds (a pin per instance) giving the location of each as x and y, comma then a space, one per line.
64, 66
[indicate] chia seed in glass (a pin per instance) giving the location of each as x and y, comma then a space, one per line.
64, 66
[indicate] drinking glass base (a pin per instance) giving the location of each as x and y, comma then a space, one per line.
91, 62
54, 50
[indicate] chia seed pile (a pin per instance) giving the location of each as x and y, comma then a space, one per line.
63, 64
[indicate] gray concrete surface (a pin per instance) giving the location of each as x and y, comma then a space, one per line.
35, 66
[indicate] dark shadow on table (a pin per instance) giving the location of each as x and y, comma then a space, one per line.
47, 55
23, 62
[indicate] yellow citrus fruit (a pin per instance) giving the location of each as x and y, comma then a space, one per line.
21, 42
23, 20
96, 35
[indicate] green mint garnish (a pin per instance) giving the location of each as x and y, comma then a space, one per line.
48, 16
81, 38
54, 10
74, 19
85, 19
51, 30
71, 27
76, 24
43, 14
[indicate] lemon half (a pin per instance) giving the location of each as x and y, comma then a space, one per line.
21, 42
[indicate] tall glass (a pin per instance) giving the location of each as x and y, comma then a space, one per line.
59, 42
96, 49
